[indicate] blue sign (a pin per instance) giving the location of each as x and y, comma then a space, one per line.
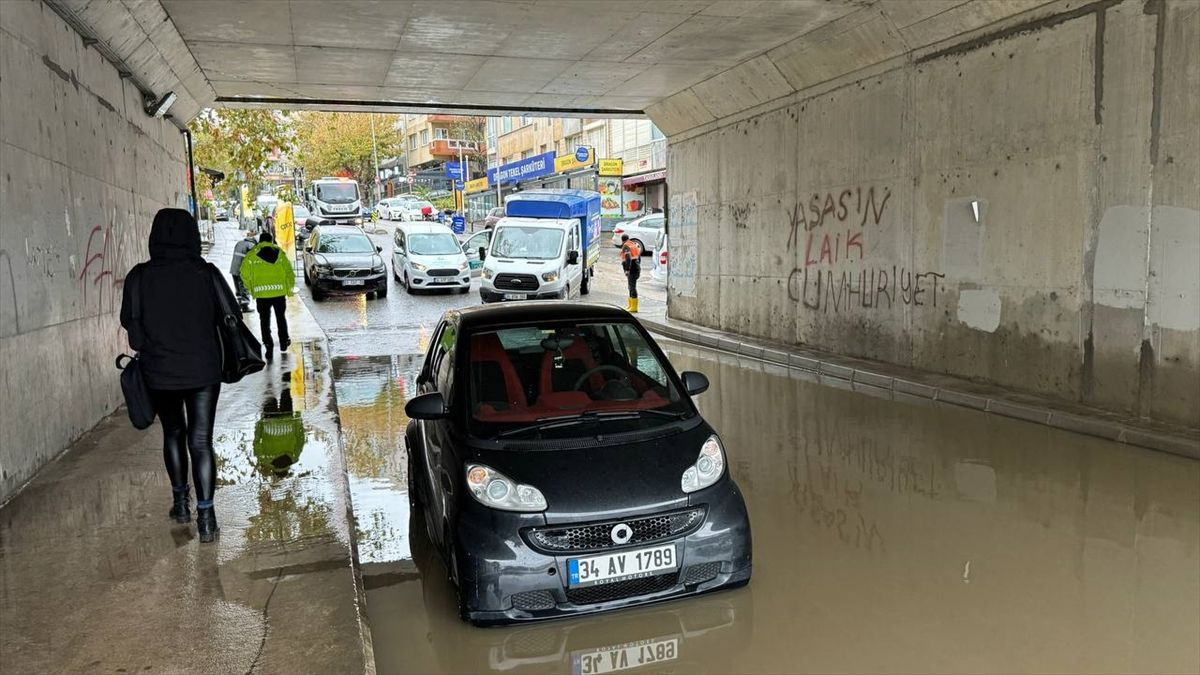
458, 185
454, 170
582, 154
525, 169
458, 224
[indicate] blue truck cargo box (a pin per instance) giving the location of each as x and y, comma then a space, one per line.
583, 205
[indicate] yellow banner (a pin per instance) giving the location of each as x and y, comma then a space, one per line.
477, 185
285, 229
612, 167
571, 162
247, 210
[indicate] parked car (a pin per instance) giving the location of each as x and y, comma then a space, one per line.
220, 213
493, 216
480, 240
644, 230
659, 270
429, 256
412, 210
341, 259
563, 469
392, 208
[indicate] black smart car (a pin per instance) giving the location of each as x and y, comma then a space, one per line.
563, 469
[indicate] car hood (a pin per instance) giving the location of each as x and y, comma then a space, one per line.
348, 259
587, 481
443, 260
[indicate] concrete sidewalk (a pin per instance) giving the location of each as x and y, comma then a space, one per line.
94, 576
897, 382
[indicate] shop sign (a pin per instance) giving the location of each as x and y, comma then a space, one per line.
583, 157
525, 169
646, 177
612, 167
477, 185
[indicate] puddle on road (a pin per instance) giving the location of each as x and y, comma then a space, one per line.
889, 536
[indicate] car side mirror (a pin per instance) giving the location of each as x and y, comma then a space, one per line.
379, 249
694, 383
572, 257
427, 407
482, 252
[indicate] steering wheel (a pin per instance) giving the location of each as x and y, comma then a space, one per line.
597, 369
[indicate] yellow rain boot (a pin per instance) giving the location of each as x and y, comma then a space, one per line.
633, 305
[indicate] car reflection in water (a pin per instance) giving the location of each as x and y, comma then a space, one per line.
705, 633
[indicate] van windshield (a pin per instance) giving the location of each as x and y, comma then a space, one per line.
433, 244
337, 193
528, 242
560, 381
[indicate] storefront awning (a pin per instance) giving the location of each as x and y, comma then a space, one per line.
650, 177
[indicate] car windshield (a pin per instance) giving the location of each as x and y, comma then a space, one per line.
337, 193
433, 244
534, 243
421, 205
345, 243
555, 381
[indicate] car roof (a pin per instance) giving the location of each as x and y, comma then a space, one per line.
498, 314
424, 228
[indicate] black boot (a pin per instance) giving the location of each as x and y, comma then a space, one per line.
180, 511
206, 525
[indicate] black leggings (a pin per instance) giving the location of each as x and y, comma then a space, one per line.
189, 435
635, 271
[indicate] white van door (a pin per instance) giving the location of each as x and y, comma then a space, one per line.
575, 272
399, 253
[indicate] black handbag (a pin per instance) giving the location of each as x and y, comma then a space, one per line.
133, 384
241, 352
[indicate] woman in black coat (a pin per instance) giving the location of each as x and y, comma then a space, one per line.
180, 356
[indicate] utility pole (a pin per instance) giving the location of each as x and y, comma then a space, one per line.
375, 154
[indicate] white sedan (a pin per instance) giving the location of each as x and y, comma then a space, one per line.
392, 208
643, 230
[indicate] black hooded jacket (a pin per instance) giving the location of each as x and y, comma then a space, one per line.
177, 336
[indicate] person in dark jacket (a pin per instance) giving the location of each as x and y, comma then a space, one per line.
240, 250
180, 356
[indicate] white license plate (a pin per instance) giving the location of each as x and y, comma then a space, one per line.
352, 282
614, 567
624, 657
515, 296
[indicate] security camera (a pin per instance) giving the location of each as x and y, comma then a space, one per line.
159, 108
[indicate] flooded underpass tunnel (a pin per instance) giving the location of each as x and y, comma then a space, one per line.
890, 535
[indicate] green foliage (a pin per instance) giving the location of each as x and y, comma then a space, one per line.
339, 143
239, 143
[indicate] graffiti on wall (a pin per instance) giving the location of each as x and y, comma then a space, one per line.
684, 228
829, 234
100, 278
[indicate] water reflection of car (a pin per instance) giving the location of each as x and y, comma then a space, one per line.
341, 259
644, 230
428, 256
564, 469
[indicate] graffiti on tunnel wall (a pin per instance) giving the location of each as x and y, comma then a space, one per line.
829, 234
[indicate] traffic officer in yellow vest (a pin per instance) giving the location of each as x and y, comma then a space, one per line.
631, 262
268, 275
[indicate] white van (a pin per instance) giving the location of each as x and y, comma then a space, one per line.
532, 258
428, 255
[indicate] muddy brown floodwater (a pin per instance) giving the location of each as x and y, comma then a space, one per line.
889, 536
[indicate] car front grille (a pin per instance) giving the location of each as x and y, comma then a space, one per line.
698, 574
351, 274
621, 589
533, 600
516, 282
443, 273
598, 536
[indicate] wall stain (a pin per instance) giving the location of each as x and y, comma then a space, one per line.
1019, 29
1098, 67
1156, 8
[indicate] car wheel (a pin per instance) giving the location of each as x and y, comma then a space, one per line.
382, 292
408, 286
640, 246
318, 294
585, 285
307, 279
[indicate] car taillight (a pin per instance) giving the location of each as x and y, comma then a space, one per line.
618, 231
662, 258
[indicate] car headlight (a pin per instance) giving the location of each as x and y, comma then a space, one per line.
464, 266
419, 267
487, 273
378, 269
358, 221
550, 276
709, 466
493, 489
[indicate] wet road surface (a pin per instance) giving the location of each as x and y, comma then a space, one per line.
890, 535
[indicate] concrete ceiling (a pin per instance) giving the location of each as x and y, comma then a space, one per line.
688, 61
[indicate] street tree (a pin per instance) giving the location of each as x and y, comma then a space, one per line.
340, 143
239, 143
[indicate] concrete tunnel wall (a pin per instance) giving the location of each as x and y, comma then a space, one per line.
841, 217
84, 169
